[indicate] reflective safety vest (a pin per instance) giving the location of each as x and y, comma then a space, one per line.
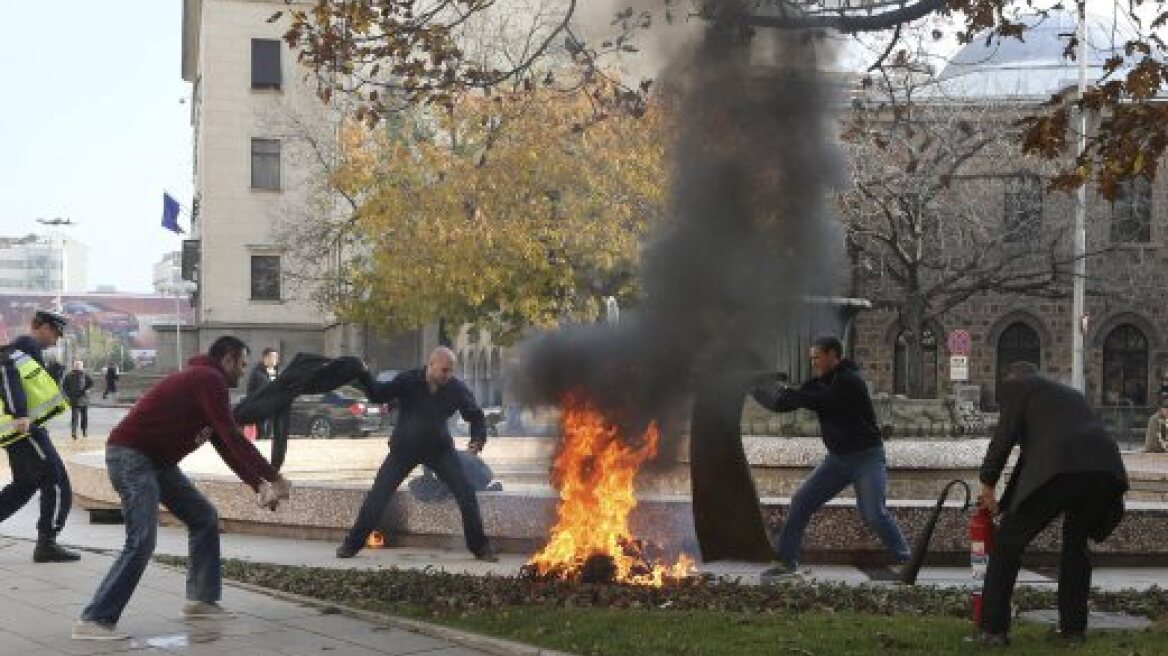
42, 397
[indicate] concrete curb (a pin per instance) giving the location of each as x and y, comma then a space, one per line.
468, 639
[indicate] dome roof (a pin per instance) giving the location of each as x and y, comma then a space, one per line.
1033, 67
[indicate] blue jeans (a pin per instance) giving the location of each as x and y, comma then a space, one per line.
142, 485
868, 471
398, 464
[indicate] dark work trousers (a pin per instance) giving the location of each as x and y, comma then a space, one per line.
1083, 499
276, 428
398, 465
79, 418
37, 466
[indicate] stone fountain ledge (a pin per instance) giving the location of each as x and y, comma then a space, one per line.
518, 518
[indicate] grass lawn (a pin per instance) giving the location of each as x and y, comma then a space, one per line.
611, 632
702, 618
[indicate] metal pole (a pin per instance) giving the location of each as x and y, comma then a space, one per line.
177, 322
1080, 278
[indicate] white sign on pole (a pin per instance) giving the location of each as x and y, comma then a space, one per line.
959, 367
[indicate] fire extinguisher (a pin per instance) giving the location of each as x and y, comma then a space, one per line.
981, 543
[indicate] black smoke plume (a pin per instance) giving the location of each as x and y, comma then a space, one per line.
750, 234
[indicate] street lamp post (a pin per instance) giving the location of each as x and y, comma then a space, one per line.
59, 237
1078, 310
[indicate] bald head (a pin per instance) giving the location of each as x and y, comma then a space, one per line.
440, 366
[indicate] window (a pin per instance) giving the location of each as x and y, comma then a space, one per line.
1023, 208
265, 64
265, 164
1017, 343
265, 277
928, 363
1125, 366
1131, 212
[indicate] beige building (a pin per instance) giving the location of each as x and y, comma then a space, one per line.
243, 77
257, 127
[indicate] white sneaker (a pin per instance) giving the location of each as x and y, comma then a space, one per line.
90, 630
197, 610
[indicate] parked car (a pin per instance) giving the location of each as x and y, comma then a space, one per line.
342, 412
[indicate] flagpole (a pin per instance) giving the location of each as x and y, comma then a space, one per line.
170, 211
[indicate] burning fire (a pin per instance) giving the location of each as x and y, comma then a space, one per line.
375, 540
593, 472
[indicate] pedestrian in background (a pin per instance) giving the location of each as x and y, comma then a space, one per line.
111, 381
75, 386
1156, 435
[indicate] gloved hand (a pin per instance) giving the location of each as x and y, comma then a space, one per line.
768, 394
283, 487
268, 496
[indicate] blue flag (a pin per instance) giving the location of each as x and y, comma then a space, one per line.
170, 213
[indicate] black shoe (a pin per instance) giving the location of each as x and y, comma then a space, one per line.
487, 555
345, 552
48, 551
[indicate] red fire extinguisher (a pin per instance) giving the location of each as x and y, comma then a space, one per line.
981, 542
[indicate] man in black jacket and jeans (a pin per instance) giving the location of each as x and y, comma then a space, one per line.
1067, 465
855, 451
427, 398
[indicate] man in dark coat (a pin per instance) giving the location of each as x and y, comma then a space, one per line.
111, 381
855, 451
75, 386
264, 373
1067, 465
427, 398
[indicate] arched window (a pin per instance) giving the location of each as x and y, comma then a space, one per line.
1125, 366
928, 363
1017, 343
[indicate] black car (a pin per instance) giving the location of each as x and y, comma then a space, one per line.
342, 412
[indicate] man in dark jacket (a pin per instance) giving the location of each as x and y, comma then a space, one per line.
174, 418
855, 451
427, 398
111, 381
75, 386
262, 375
1067, 465
35, 463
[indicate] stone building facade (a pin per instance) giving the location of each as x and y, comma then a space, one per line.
1126, 322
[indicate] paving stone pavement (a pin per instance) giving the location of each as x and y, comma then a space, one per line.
38, 604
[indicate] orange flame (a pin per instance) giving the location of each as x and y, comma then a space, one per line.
375, 540
593, 473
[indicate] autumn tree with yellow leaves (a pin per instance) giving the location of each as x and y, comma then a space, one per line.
498, 211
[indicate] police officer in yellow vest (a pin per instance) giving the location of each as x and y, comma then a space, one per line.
29, 402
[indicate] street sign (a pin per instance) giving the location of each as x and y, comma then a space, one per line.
959, 367
959, 342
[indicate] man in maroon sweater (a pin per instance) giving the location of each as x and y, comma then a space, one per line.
173, 419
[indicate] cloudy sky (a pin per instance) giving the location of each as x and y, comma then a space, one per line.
92, 128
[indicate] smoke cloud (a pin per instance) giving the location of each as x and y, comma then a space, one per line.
750, 233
